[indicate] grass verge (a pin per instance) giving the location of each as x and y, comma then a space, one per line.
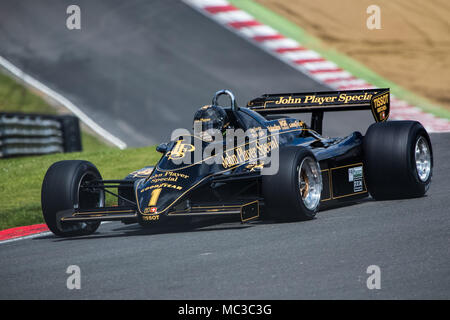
21, 178
291, 30
15, 97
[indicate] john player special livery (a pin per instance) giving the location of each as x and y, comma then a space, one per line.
306, 171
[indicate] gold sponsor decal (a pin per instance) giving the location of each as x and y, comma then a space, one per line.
296, 124
162, 185
288, 100
164, 180
283, 124
273, 128
313, 99
241, 155
319, 100
150, 218
380, 105
179, 150
168, 176
345, 98
381, 100
142, 172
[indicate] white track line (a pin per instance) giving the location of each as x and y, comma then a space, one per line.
63, 101
38, 235
31, 236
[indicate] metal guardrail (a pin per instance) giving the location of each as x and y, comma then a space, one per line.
32, 134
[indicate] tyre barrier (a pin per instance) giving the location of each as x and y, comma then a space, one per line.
24, 134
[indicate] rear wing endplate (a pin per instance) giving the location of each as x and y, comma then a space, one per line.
376, 100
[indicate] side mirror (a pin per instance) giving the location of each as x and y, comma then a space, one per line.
162, 148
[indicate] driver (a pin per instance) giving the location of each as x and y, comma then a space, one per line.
208, 120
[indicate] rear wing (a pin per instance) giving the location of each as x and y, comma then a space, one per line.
377, 100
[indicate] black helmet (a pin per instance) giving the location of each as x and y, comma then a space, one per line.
210, 117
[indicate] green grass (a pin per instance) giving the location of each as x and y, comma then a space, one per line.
21, 178
15, 97
91, 143
291, 30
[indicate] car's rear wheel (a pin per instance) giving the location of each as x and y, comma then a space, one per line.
398, 160
293, 193
61, 190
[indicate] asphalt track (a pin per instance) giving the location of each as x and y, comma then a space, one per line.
150, 65
142, 68
325, 258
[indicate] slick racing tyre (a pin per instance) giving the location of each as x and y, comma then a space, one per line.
294, 192
398, 160
61, 191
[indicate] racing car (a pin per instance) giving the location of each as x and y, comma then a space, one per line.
306, 172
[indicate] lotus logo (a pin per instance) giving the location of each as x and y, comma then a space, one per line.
179, 150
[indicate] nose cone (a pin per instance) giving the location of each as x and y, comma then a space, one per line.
182, 168
164, 188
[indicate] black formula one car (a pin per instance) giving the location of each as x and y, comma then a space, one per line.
200, 175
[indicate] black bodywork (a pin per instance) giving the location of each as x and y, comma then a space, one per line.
232, 186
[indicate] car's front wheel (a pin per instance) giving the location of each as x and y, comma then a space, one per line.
293, 193
62, 190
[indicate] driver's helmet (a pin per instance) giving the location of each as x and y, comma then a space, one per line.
209, 118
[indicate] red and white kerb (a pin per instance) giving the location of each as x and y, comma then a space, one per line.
305, 60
